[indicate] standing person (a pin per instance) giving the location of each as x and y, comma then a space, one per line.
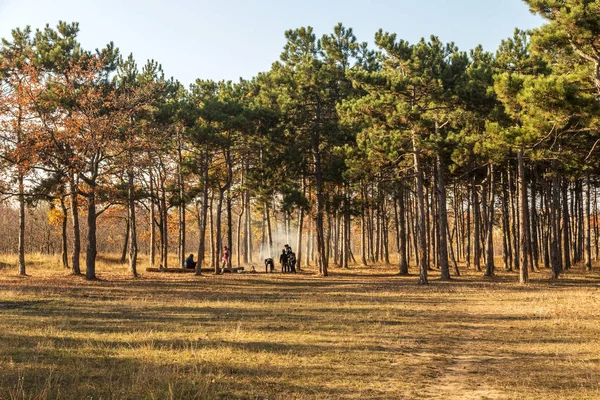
283, 260
292, 262
225, 259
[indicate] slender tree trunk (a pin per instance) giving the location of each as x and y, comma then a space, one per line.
422, 247
76, 256
506, 242
213, 249
181, 207
513, 190
249, 235
299, 239
386, 229
205, 205
90, 254
588, 220
469, 207
321, 259
535, 254
555, 256
229, 228
566, 226
164, 225
152, 257
239, 247
64, 252
126, 237
596, 226
476, 229
133, 245
363, 228
489, 262
269, 231
524, 271
218, 250
22, 270
443, 215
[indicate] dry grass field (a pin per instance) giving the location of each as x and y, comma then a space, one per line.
359, 334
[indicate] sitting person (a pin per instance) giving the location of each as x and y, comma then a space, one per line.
190, 263
269, 263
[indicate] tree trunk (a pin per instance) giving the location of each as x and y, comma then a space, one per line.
555, 256
535, 254
205, 205
469, 208
75, 266
443, 215
269, 230
63, 236
566, 226
422, 247
506, 242
476, 229
249, 247
299, 241
588, 220
152, 257
218, 250
133, 246
489, 262
321, 259
524, 253
90, 254
22, 270
126, 237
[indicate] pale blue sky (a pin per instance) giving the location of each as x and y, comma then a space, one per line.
228, 39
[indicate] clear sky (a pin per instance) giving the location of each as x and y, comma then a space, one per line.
229, 39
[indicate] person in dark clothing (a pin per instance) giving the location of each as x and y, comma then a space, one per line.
283, 258
269, 263
189, 262
292, 262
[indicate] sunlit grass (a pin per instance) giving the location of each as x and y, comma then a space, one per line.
361, 333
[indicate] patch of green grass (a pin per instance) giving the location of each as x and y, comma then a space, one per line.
361, 333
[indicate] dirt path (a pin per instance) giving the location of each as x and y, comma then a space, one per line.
459, 380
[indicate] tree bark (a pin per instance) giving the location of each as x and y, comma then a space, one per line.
133, 245
90, 254
489, 262
205, 205
566, 226
443, 215
125, 237
524, 271
75, 266
422, 247
64, 252
588, 220
22, 270
476, 229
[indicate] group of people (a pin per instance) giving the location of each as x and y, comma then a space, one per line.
191, 264
287, 259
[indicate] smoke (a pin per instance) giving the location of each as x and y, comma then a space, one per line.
280, 239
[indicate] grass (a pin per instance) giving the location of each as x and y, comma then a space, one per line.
363, 333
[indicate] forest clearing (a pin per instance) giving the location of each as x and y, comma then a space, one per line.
361, 333
435, 210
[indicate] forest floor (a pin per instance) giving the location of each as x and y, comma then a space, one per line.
362, 333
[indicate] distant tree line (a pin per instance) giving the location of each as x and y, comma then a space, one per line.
418, 154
